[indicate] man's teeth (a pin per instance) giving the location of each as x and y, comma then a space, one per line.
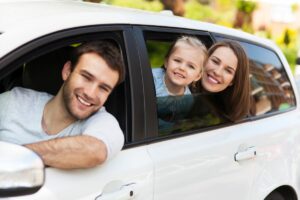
83, 101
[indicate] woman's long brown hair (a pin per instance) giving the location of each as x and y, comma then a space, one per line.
234, 101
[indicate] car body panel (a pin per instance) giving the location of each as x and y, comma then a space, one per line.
198, 165
202, 166
131, 166
207, 159
53, 16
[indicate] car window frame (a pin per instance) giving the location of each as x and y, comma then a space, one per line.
45, 44
149, 88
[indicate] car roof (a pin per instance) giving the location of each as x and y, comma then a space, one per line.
23, 21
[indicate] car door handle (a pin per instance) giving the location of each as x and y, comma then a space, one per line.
125, 192
246, 154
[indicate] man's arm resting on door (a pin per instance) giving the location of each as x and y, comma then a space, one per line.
73, 152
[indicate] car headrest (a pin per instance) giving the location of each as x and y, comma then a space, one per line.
44, 73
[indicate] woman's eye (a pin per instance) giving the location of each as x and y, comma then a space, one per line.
177, 60
229, 71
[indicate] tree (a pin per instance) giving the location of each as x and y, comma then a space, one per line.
176, 6
286, 37
243, 18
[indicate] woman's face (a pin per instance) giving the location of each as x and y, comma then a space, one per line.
219, 70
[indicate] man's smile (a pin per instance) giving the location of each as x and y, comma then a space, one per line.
82, 101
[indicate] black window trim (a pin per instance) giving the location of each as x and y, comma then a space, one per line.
150, 102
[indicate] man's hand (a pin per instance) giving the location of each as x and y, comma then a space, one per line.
71, 152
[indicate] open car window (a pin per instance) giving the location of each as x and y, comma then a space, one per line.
179, 114
40, 70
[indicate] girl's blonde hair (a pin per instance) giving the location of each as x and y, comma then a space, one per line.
191, 41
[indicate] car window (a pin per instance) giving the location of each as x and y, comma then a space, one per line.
178, 114
40, 69
271, 89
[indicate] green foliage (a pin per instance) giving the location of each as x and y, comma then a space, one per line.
246, 6
288, 44
154, 5
295, 7
157, 52
226, 5
291, 56
286, 37
195, 10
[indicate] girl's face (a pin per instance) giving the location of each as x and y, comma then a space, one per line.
184, 65
219, 70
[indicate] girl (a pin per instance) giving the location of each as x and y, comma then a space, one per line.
182, 67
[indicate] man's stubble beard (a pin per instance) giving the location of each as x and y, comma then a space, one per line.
67, 101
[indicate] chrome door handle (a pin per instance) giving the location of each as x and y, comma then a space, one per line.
125, 192
246, 154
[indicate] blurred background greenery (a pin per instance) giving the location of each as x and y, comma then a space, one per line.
256, 17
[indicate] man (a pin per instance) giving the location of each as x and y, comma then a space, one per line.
72, 129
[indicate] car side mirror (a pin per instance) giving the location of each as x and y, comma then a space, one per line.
21, 170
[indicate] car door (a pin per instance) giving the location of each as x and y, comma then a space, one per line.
130, 174
203, 165
274, 120
127, 176
205, 157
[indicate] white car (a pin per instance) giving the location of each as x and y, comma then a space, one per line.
207, 158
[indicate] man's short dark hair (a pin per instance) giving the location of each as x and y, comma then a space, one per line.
107, 49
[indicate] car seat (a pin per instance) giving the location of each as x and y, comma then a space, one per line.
44, 73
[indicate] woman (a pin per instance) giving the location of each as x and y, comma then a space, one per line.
226, 77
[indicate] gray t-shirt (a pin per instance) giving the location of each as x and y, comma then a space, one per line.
21, 112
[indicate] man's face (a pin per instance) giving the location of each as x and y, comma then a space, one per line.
88, 86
